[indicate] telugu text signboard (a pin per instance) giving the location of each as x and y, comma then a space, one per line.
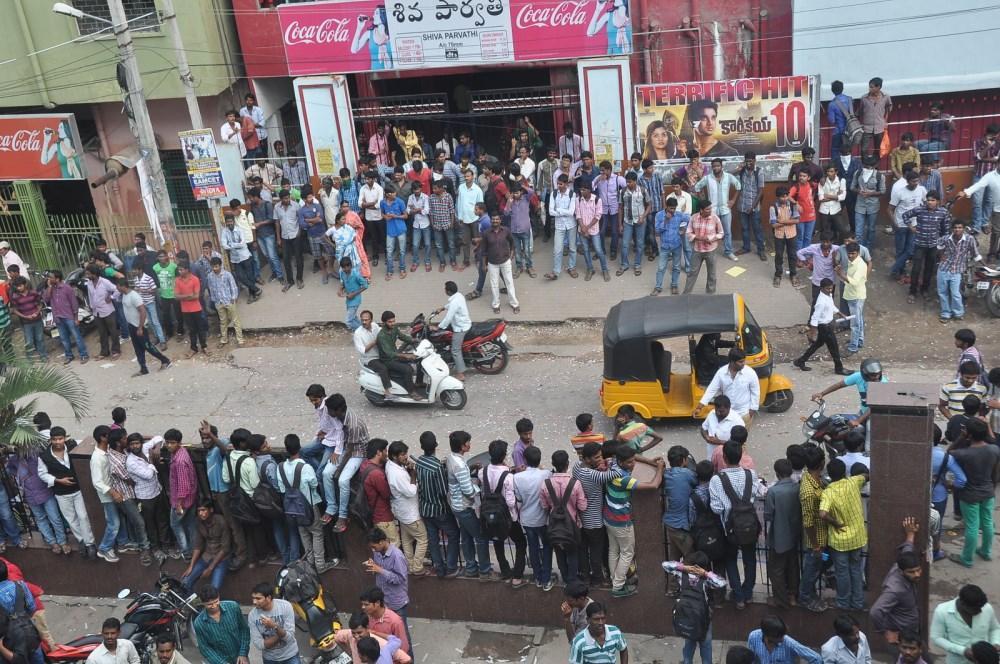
202, 162
373, 35
40, 147
774, 117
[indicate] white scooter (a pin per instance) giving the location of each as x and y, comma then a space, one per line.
442, 386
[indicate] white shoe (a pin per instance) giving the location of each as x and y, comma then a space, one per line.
109, 556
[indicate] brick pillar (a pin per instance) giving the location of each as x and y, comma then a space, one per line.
902, 425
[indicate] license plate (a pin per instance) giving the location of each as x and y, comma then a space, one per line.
982, 285
503, 337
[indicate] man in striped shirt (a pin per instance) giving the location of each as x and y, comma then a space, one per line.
224, 292
145, 286
618, 517
967, 383
592, 478
432, 500
462, 493
600, 643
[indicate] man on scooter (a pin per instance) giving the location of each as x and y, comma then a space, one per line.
389, 358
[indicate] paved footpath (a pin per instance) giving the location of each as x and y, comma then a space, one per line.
540, 299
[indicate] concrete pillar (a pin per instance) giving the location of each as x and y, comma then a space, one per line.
902, 425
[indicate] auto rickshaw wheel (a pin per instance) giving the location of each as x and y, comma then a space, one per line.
779, 401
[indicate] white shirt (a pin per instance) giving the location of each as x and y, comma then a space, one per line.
100, 474
836, 187
835, 652
257, 115
905, 200
989, 181
13, 259
330, 203
422, 205
373, 194
852, 458
456, 314
823, 311
232, 136
562, 207
404, 493
527, 167
743, 390
721, 429
125, 653
362, 338
683, 202
43, 470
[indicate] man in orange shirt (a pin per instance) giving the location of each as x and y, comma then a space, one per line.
187, 288
803, 192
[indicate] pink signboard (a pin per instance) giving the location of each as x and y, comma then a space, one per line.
339, 37
559, 29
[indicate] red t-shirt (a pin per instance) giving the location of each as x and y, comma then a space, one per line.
189, 285
805, 197
423, 177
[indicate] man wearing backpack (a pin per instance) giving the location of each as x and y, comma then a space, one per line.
706, 529
22, 637
528, 487
240, 465
692, 618
268, 500
462, 499
498, 515
297, 483
563, 500
732, 494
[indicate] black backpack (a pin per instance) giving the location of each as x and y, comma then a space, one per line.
742, 525
297, 509
358, 506
241, 506
709, 537
692, 614
19, 634
494, 515
562, 529
267, 499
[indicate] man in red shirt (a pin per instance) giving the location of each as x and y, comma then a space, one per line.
377, 488
187, 290
803, 192
14, 573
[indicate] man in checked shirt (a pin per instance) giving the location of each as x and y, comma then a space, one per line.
355, 448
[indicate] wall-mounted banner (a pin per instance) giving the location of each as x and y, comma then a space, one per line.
202, 162
40, 147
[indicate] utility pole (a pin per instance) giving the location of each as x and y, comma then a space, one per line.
143, 123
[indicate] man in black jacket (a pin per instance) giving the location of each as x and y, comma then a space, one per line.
55, 468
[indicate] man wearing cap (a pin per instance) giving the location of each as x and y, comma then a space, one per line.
8, 257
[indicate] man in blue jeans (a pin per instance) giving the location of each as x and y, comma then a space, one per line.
65, 308
987, 153
461, 494
955, 251
212, 544
751, 181
432, 499
100, 473
670, 228
355, 449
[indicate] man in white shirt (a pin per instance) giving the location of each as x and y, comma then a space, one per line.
849, 645
562, 209
990, 182
329, 198
457, 318
821, 330
112, 649
907, 194
719, 423
738, 382
370, 200
365, 336
229, 132
469, 194
256, 113
419, 206
401, 475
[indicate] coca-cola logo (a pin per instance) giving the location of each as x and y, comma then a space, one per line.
23, 140
558, 16
330, 31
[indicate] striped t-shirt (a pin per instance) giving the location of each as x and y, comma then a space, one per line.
954, 392
586, 650
618, 501
581, 439
634, 435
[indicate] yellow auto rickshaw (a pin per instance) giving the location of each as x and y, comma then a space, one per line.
637, 365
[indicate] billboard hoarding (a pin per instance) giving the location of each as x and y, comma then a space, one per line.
202, 162
40, 147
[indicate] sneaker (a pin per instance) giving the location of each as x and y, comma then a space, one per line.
66, 549
128, 547
732, 257
455, 573
175, 554
625, 591
939, 555
108, 556
90, 552
548, 586
160, 556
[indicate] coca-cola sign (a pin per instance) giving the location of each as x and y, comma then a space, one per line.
560, 29
40, 147
327, 31
560, 15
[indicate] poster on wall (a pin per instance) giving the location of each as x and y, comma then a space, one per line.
202, 162
774, 117
375, 35
606, 102
325, 115
40, 147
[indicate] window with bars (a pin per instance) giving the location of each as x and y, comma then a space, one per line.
133, 9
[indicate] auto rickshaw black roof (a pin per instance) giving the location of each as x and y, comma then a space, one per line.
632, 324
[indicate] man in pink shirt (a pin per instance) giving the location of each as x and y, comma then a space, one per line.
703, 232
562, 487
183, 490
348, 639
382, 620
378, 146
739, 434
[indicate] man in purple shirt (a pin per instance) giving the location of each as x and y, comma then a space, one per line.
608, 187
389, 566
819, 258
100, 292
62, 298
518, 212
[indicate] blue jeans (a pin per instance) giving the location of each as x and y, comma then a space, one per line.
218, 574
153, 321
850, 576
864, 227
422, 236
269, 247
982, 206
666, 257
342, 492
522, 250
727, 231
435, 526
540, 550
563, 237
812, 564
401, 612
805, 233
390, 248
688, 250
905, 239
111, 525
949, 286
68, 332
286, 539
638, 232
475, 547
49, 521
742, 592
442, 238
10, 529
927, 145
351, 318
315, 453
857, 309
588, 241
704, 647
183, 527
751, 226
609, 221
34, 338
120, 319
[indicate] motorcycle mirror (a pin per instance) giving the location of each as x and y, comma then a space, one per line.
123, 593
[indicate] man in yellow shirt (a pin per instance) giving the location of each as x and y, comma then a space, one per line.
855, 277
841, 508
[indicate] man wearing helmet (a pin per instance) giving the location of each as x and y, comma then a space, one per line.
871, 372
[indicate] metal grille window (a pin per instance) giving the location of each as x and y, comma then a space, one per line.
133, 9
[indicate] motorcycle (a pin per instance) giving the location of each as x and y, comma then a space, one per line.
167, 611
828, 432
987, 286
440, 385
77, 279
315, 613
485, 346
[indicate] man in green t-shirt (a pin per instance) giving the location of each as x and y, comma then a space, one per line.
170, 307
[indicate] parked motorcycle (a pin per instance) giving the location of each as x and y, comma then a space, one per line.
485, 346
315, 612
439, 384
828, 432
987, 286
168, 610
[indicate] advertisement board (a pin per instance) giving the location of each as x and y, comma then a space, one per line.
774, 117
40, 147
202, 161
324, 106
373, 35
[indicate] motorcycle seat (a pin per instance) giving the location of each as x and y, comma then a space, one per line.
128, 629
482, 328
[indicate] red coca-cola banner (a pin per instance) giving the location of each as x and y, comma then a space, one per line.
40, 147
378, 35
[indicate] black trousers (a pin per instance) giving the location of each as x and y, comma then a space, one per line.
290, 249
197, 329
156, 516
824, 335
142, 345
922, 272
397, 370
107, 328
593, 554
783, 571
786, 245
516, 536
